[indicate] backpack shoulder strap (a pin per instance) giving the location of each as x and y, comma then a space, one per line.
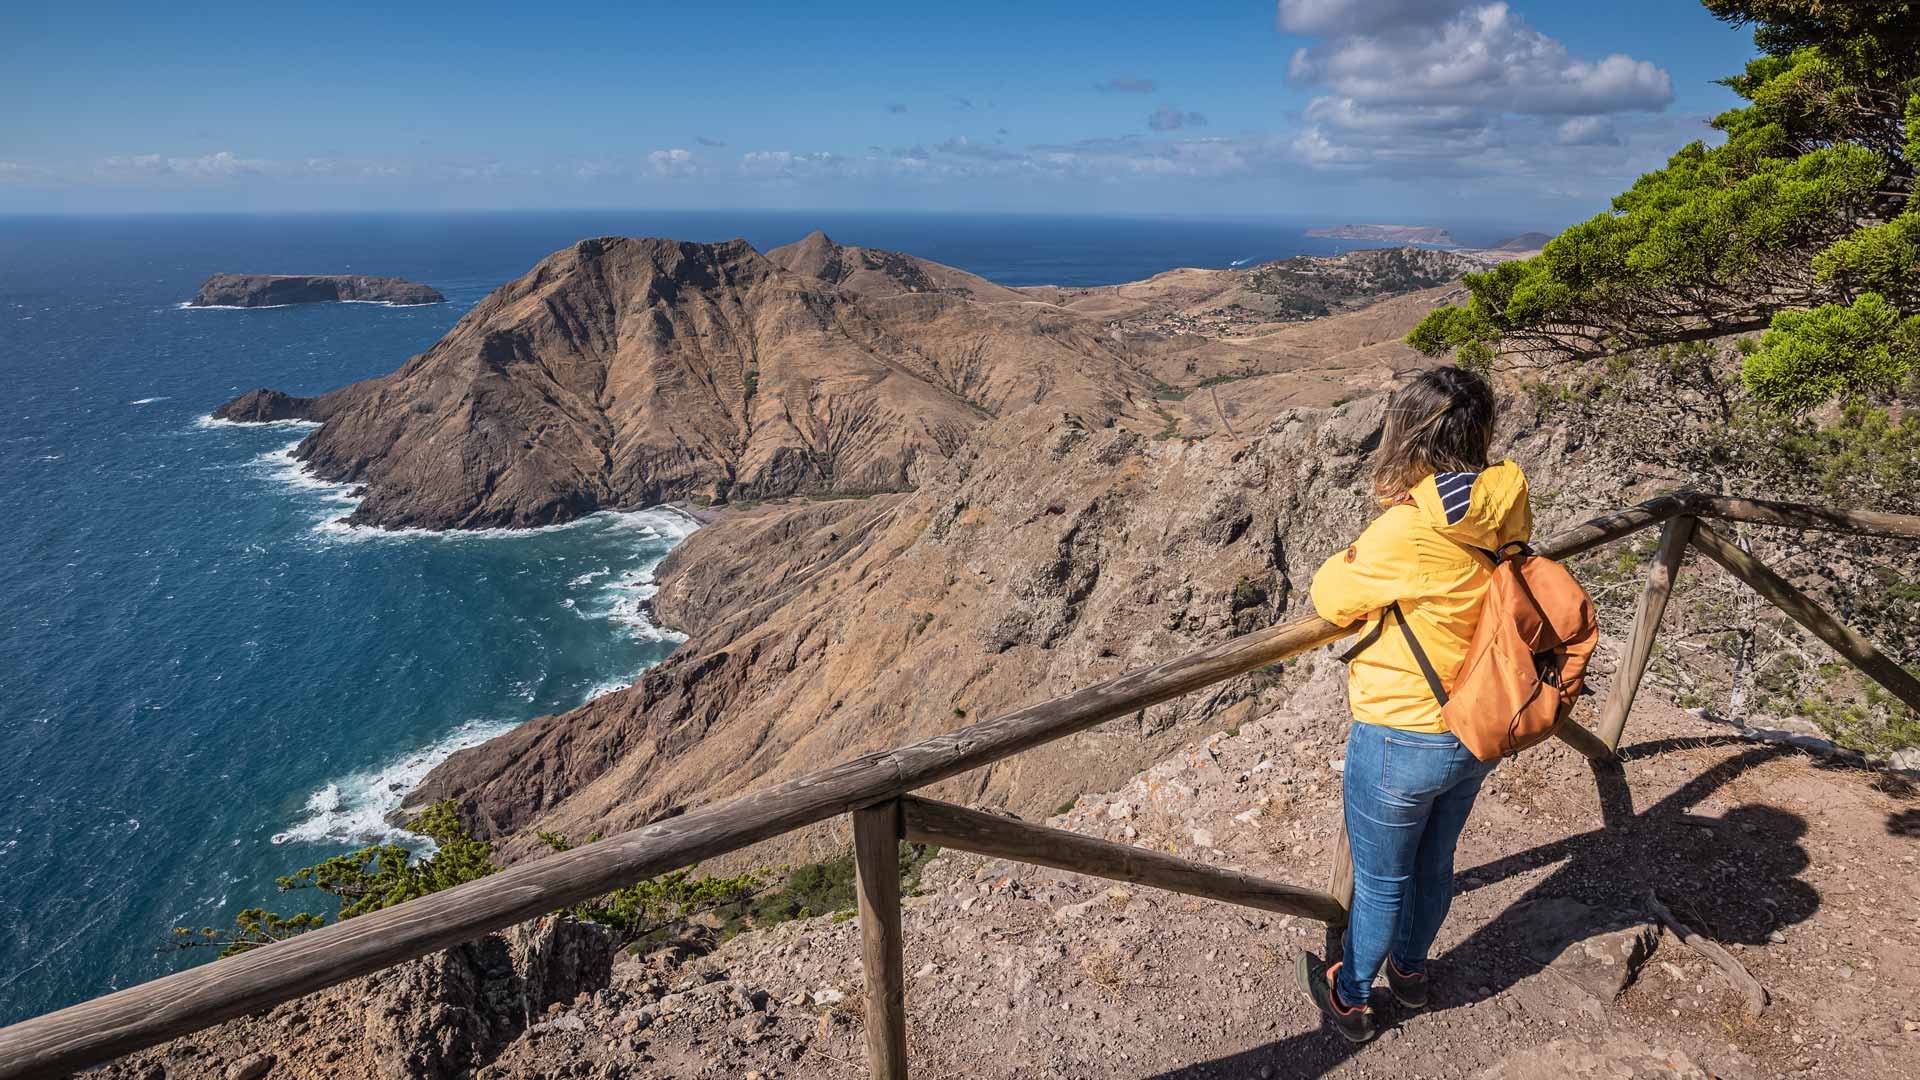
1420, 656
1413, 644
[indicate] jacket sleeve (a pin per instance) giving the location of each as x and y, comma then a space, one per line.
1368, 575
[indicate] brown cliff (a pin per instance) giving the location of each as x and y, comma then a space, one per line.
625, 373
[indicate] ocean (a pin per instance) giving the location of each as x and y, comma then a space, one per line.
207, 680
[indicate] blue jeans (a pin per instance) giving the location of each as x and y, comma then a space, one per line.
1407, 795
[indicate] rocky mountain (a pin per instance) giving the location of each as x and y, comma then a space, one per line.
624, 372
276, 290
875, 272
1393, 234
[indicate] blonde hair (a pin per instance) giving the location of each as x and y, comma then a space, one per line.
1442, 421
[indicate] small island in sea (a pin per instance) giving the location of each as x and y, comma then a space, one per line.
276, 290
1397, 234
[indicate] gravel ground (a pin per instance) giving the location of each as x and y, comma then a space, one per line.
1550, 966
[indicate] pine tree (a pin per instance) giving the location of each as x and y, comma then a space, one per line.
1801, 224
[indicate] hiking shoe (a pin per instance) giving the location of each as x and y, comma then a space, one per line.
1355, 1023
1408, 990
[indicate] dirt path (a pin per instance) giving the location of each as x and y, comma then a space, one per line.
1805, 871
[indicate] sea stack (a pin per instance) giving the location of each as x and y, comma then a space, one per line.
276, 290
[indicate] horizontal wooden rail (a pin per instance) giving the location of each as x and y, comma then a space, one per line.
930, 822
106, 1027
1845, 640
1796, 516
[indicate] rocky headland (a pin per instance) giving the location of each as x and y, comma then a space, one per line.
279, 290
629, 372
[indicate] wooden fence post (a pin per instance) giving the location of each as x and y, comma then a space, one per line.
1844, 639
876, 861
1653, 604
1340, 881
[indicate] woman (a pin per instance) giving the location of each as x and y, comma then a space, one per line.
1409, 782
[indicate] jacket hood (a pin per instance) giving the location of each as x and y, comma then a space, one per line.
1484, 509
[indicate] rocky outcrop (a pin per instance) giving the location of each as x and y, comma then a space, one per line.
279, 290
266, 406
435, 1018
625, 373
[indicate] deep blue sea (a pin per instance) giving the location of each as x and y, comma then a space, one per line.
206, 680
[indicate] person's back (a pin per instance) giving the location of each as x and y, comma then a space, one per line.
1422, 566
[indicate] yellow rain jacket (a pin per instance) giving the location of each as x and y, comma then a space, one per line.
1413, 554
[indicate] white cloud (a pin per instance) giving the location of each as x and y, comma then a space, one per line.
1453, 86
19, 172
223, 165
677, 161
1485, 57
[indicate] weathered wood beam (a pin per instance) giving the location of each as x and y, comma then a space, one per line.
1607, 528
876, 863
1586, 742
1340, 876
931, 822
99, 1030
1845, 641
1797, 516
1646, 623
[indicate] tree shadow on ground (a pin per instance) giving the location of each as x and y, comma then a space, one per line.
1904, 823
1734, 878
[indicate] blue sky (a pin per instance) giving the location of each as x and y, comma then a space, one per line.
1534, 110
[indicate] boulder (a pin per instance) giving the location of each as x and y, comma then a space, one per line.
1597, 951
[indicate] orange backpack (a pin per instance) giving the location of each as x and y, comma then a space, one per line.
1527, 662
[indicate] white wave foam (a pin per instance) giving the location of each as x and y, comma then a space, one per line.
660, 522
289, 470
354, 808
188, 305
603, 689
148, 400
211, 421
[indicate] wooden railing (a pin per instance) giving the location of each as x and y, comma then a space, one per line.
874, 790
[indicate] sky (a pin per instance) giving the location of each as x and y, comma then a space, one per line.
1531, 111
